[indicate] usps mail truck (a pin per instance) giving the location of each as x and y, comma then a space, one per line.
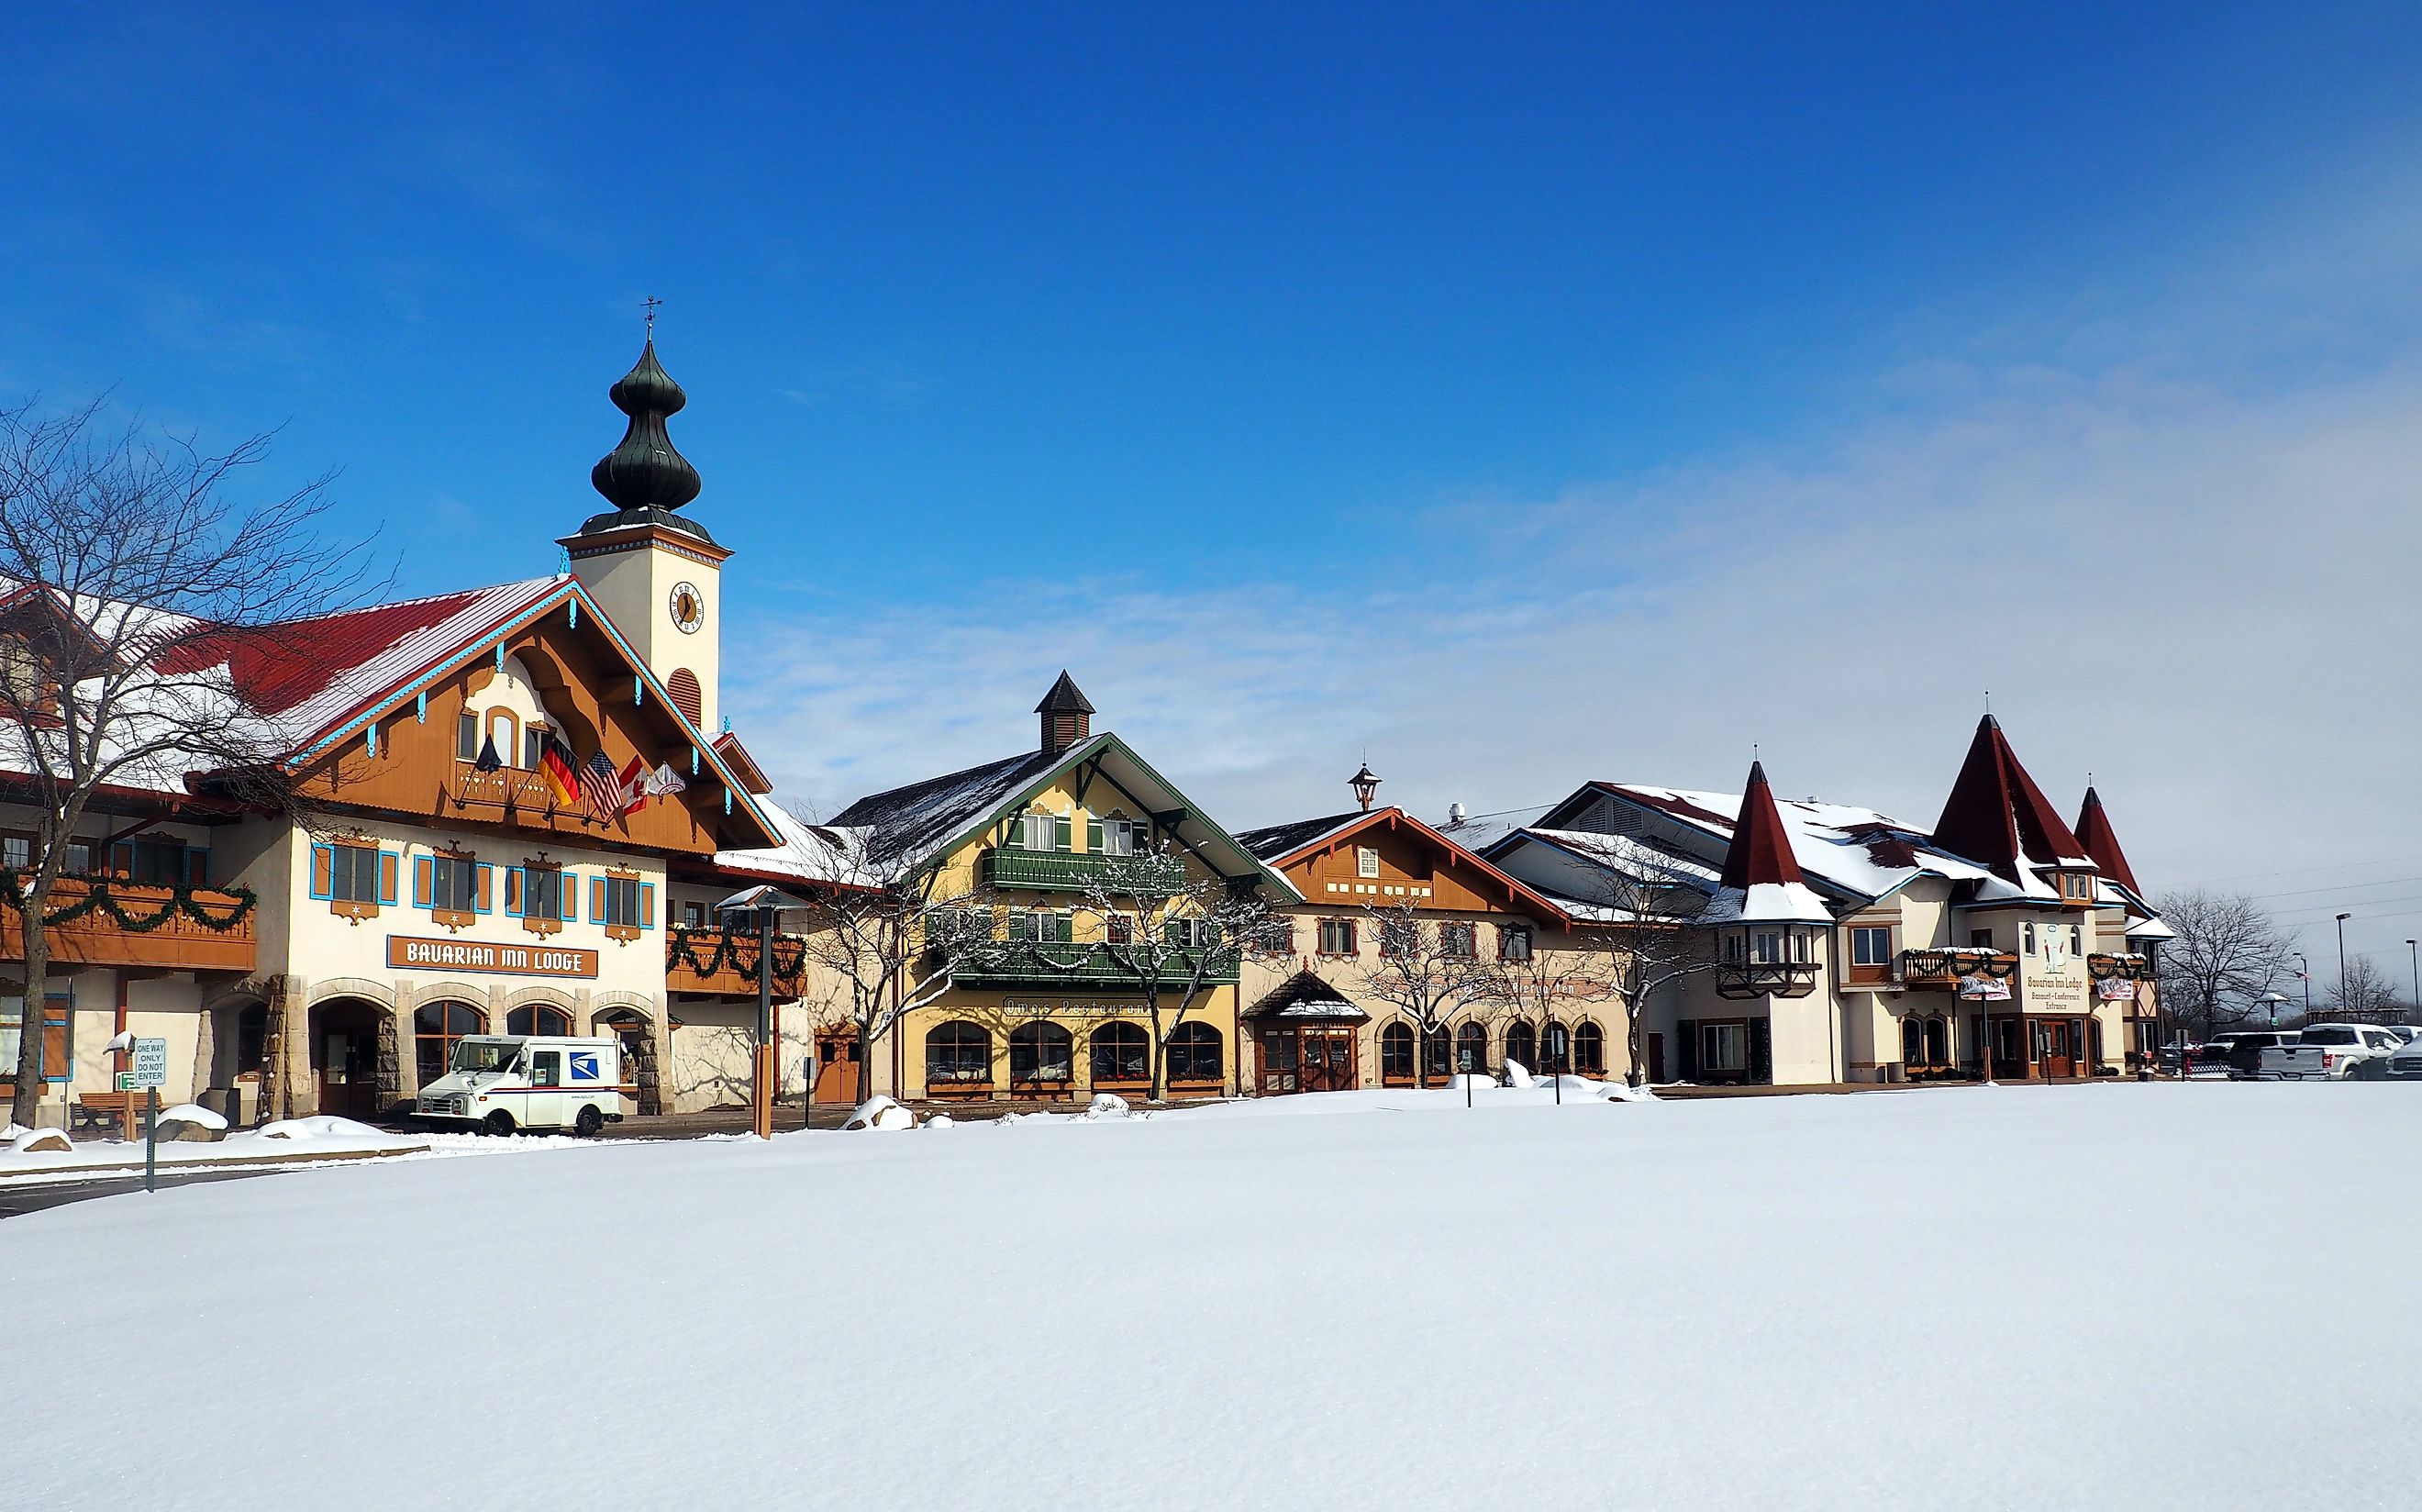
499, 1083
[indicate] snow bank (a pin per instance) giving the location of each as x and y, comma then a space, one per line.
1516, 1074
196, 1114
23, 1141
319, 1127
880, 1112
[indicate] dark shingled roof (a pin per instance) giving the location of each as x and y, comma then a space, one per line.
1304, 994
1065, 698
1275, 841
908, 821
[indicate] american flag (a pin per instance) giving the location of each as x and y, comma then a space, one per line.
600, 788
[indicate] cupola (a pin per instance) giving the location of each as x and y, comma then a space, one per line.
1067, 716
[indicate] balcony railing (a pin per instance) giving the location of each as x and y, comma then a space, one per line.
1945, 968
2130, 968
724, 962
1042, 871
104, 922
1742, 980
1090, 965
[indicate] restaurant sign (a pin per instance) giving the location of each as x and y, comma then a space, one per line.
412, 953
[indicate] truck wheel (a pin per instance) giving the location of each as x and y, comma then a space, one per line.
499, 1123
588, 1122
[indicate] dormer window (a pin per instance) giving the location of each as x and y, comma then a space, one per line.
2077, 887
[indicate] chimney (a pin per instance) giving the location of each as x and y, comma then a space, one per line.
1067, 717
1454, 815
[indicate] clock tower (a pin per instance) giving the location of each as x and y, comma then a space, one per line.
653, 570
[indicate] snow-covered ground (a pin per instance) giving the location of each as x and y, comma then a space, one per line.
2107, 1297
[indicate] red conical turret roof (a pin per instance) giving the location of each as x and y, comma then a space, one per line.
1998, 817
2093, 832
1760, 849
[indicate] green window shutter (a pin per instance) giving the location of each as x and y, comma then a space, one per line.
1093, 836
1063, 836
1065, 926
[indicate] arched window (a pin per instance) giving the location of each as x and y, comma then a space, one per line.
436, 1028
958, 1051
1438, 1052
538, 1019
1913, 1041
1041, 1051
1589, 1048
682, 686
1523, 1045
1471, 1049
1938, 1042
1556, 1047
1396, 1053
1122, 1052
506, 731
1194, 1054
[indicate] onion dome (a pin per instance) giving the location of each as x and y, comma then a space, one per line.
644, 478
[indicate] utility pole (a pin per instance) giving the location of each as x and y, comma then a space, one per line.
2342, 982
2306, 973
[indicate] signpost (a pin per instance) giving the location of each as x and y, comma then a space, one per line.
150, 1074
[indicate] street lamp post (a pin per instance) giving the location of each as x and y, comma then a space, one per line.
2415, 953
2305, 970
763, 906
2342, 985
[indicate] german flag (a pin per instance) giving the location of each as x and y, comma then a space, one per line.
562, 775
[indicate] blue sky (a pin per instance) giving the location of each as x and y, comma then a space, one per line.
1584, 380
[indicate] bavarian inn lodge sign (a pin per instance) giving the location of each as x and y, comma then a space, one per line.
411, 951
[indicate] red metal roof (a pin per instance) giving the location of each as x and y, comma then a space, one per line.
1760, 850
1997, 817
276, 668
2093, 832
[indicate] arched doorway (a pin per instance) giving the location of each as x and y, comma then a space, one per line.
630, 1029
353, 1067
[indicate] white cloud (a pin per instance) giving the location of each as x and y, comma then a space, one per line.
2200, 593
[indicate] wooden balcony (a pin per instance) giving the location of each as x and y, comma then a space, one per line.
1039, 870
1941, 970
128, 924
723, 963
1742, 982
1077, 965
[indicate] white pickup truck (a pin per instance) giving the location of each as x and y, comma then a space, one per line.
2331, 1052
500, 1083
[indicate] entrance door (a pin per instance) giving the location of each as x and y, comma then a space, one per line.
344, 1058
1656, 1059
2059, 1049
836, 1068
543, 1106
1328, 1060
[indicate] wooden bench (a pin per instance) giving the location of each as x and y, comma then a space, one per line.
93, 1108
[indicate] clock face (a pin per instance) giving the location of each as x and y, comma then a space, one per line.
688, 608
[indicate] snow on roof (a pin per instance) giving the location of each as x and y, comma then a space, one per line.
1271, 842
808, 853
907, 825
1861, 851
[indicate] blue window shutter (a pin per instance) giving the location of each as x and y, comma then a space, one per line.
568, 898
646, 906
424, 882
483, 885
389, 864
323, 864
516, 892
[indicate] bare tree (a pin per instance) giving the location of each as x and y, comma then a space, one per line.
2228, 953
1545, 985
885, 937
127, 572
2365, 993
1426, 969
1170, 934
1642, 919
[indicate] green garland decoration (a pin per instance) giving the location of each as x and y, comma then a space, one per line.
235, 905
707, 951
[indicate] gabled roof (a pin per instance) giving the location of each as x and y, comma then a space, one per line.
308, 683
1998, 817
1314, 835
1304, 994
2093, 832
913, 827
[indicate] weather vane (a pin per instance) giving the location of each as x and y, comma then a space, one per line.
650, 305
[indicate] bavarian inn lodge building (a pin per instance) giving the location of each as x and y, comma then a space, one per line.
527, 801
